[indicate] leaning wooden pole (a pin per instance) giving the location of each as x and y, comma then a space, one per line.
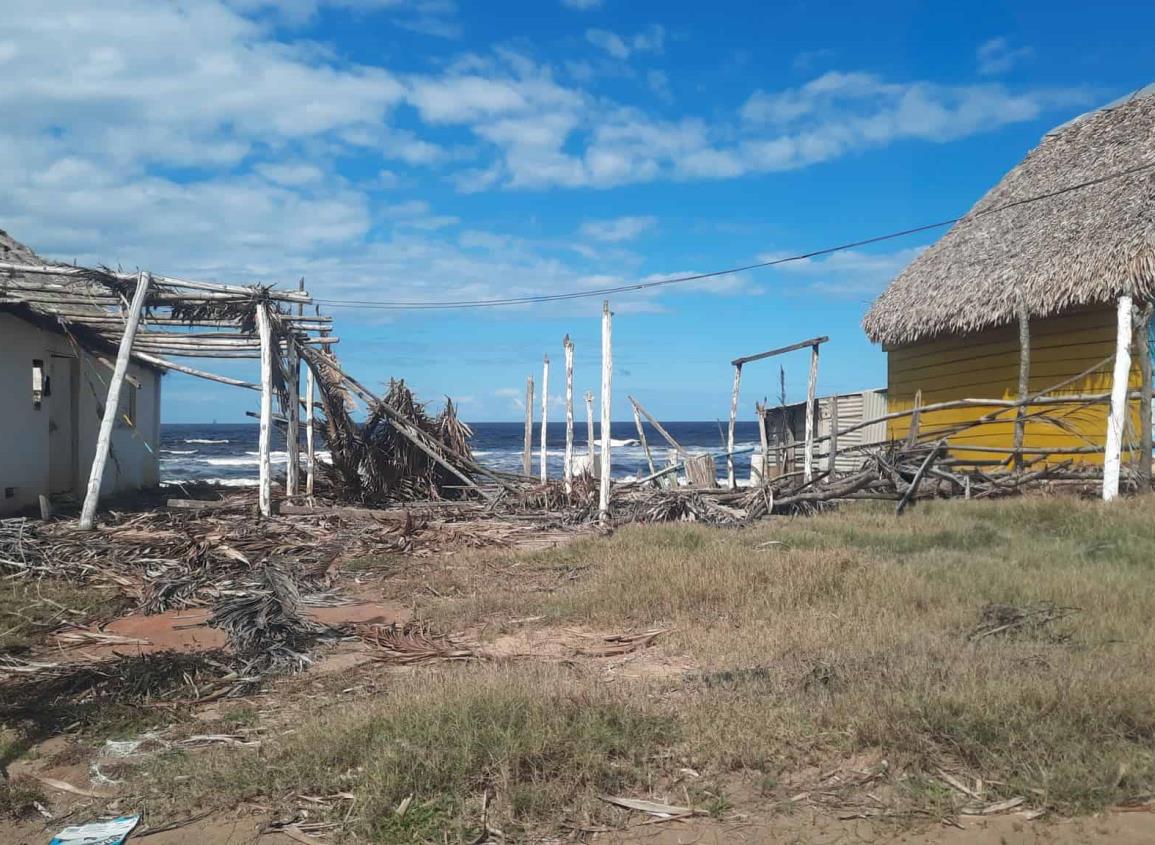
544, 469
527, 451
607, 389
642, 439
1024, 383
811, 387
731, 480
1117, 419
764, 437
567, 466
112, 403
832, 451
265, 469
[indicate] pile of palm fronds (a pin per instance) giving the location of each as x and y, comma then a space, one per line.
266, 624
380, 461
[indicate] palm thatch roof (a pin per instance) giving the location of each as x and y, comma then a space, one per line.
1071, 249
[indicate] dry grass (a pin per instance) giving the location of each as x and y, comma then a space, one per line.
816, 641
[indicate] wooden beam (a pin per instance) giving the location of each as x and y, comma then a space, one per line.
730, 479
802, 344
832, 452
567, 465
643, 441
764, 437
660, 429
293, 431
607, 392
112, 403
590, 430
544, 454
1024, 380
527, 450
265, 329
1143, 350
191, 371
811, 387
310, 449
1117, 419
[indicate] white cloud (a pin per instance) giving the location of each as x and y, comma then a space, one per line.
650, 40
429, 17
582, 5
998, 56
619, 229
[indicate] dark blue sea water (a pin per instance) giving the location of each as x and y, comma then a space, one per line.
227, 454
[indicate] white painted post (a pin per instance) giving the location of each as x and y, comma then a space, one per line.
265, 330
733, 419
544, 418
590, 429
310, 454
1118, 416
293, 429
568, 466
527, 449
108, 420
811, 386
607, 384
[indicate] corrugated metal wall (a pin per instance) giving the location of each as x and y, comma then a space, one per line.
853, 408
986, 366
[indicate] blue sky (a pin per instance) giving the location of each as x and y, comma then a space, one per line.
431, 149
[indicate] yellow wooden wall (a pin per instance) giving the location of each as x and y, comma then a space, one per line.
986, 366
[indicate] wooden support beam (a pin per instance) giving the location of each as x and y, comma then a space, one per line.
567, 467
544, 454
527, 450
1117, 420
112, 403
310, 449
607, 392
764, 437
1143, 350
811, 387
293, 431
265, 471
1024, 381
832, 452
730, 479
590, 430
802, 344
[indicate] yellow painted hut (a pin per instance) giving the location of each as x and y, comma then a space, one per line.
1061, 252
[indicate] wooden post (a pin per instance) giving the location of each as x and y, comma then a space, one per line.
265, 330
1143, 350
112, 403
1024, 383
310, 453
590, 428
293, 429
607, 385
915, 419
1118, 416
765, 438
832, 457
733, 420
527, 453
568, 460
811, 387
643, 441
544, 418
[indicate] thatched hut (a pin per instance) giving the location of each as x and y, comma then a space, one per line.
1059, 252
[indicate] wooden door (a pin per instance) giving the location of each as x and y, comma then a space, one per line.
62, 424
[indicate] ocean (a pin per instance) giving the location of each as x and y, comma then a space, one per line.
227, 454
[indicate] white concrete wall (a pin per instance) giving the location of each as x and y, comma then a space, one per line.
24, 430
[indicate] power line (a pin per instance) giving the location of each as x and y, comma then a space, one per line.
729, 271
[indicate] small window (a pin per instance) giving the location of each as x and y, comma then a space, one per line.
126, 411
